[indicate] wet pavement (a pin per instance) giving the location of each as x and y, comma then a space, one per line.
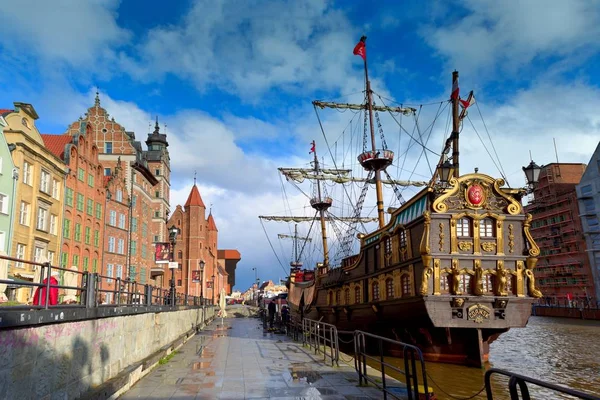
241, 361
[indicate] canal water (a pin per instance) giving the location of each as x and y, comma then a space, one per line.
558, 350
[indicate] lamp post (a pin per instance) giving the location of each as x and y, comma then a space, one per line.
256, 279
258, 291
445, 171
201, 263
173, 232
532, 173
213, 289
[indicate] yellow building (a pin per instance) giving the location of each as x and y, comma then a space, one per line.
38, 211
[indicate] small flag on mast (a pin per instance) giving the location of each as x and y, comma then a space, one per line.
312, 149
360, 48
455, 90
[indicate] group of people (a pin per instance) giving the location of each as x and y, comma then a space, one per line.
272, 312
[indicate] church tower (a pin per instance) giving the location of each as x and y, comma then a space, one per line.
159, 163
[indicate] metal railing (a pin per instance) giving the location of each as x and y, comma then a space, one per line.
323, 337
518, 384
59, 288
411, 354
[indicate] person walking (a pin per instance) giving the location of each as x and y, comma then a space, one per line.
272, 307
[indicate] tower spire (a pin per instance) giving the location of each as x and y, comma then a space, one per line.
195, 179
97, 99
156, 126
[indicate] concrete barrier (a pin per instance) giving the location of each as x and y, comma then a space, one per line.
92, 358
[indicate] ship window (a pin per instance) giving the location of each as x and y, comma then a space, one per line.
347, 296
463, 227
488, 284
486, 228
389, 288
405, 284
464, 284
402, 237
338, 297
444, 283
388, 247
375, 288
357, 294
509, 284
330, 298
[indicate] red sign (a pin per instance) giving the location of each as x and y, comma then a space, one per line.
475, 194
196, 276
162, 253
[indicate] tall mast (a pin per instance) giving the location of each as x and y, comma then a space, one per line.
295, 263
378, 185
321, 205
455, 123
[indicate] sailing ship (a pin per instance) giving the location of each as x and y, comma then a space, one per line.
450, 271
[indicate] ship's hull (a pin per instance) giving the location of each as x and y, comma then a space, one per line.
424, 322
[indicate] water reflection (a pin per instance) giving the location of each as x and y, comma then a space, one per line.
557, 350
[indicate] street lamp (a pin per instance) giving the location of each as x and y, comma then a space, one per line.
445, 171
256, 279
173, 232
532, 173
213, 289
201, 263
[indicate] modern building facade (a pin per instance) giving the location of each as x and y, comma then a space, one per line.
38, 210
563, 271
588, 195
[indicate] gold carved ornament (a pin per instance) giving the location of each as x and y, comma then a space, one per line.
478, 275
425, 254
441, 242
502, 276
488, 246
465, 246
478, 313
534, 250
455, 272
511, 238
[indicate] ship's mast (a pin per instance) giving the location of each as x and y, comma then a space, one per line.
296, 263
321, 205
455, 124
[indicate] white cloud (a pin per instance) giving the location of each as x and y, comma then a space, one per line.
510, 34
76, 32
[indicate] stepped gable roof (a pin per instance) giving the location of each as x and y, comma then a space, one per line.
211, 223
194, 198
56, 143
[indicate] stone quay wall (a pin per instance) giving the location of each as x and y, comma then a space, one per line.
71, 360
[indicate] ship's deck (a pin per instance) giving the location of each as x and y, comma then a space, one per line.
241, 361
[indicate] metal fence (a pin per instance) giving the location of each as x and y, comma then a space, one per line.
323, 338
518, 387
61, 288
371, 347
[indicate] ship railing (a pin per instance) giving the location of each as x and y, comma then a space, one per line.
414, 374
323, 337
519, 389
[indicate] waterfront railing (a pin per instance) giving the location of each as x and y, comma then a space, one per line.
323, 337
519, 390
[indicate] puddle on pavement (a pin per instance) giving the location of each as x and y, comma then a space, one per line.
302, 373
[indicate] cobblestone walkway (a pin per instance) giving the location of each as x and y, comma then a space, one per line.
241, 361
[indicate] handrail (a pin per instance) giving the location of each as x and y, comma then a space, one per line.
411, 354
521, 381
317, 334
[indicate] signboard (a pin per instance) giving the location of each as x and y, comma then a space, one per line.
162, 253
209, 285
196, 276
173, 265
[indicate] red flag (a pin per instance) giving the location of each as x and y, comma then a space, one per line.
455, 90
468, 102
360, 48
312, 149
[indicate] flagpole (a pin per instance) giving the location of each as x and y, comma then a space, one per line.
378, 184
455, 124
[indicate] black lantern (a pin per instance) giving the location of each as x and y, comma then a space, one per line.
445, 171
173, 232
532, 173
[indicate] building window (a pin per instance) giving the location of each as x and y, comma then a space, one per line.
26, 173
90, 207
144, 251
111, 244
180, 254
38, 254
134, 224
45, 182
586, 190
133, 201
98, 211
88, 235
96, 238
132, 273
178, 282
347, 296
81, 174
389, 288
463, 227
133, 246
157, 194
122, 221
156, 214
67, 228
53, 224
77, 235
24, 214
109, 270
85, 263
21, 248
357, 294
375, 289
69, 197
108, 147
56, 189
405, 285
94, 265
143, 275
3, 204
64, 260
119, 195
76, 260
119, 271
42, 217
113, 218
107, 172
157, 172
486, 228
90, 180
121, 249
80, 201
51, 257
156, 238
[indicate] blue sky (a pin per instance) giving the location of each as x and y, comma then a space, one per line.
234, 80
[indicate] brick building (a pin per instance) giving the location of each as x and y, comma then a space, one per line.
83, 228
563, 270
197, 241
229, 259
146, 178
